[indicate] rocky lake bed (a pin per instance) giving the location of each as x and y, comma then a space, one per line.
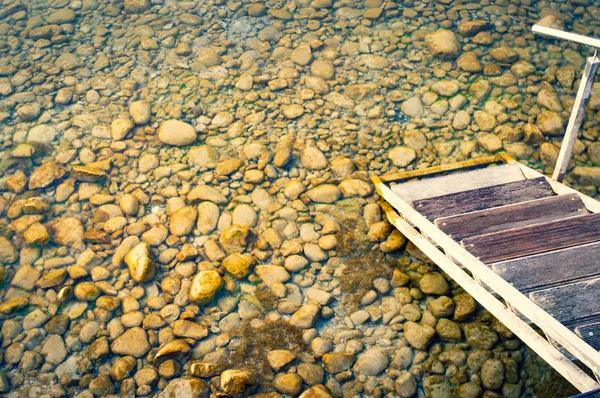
186, 209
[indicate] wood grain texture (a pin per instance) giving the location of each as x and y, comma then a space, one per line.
551, 268
500, 157
511, 216
570, 303
534, 239
483, 198
457, 181
590, 333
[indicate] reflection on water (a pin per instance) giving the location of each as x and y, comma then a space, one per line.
186, 207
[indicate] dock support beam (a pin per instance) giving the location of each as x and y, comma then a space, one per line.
577, 114
583, 94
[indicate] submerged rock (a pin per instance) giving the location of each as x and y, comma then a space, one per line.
186, 387
141, 267
8, 252
238, 382
133, 342
176, 133
205, 286
443, 43
45, 175
140, 112
417, 335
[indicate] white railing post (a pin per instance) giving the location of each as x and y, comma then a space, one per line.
583, 95
576, 119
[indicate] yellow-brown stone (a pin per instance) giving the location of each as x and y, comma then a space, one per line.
239, 265
141, 267
205, 286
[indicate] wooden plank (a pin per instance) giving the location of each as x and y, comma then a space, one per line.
590, 333
429, 171
590, 203
511, 216
550, 326
534, 239
522, 330
572, 302
458, 181
483, 198
551, 268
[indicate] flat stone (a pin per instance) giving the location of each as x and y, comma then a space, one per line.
372, 362
133, 342
280, 358
25, 277
8, 252
480, 336
42, 133
271, 274
176, 133
141, 267
54, 350
417, 335
313, 159
186, 387
402, 156
140, 112
205, 286
443, 43
306, 316
325, 193
412, 107
337, 362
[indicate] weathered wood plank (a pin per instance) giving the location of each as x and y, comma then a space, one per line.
483, 198
534, 239
573, 302
550, 326
501, 157
551, 268
590, 333
511, 216
457, 181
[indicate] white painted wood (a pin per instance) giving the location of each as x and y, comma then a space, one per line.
529, 336
457, 181
576, 118
559, 34
581, 350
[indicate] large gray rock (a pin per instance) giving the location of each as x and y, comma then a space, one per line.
42, 134
443, 43
492, 374
412, 107
417, 335
176, 133
186, 387
372, 362
137, 6
133, 342
54, 349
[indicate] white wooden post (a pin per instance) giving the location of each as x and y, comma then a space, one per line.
583, 95
576, 119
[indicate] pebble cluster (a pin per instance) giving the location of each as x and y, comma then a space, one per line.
186, 208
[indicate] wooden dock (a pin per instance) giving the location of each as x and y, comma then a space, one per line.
532, 240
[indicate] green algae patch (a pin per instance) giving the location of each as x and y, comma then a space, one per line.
255, 343
265, 297
358, 275
351, 239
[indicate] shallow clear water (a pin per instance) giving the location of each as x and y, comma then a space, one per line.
186, 208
